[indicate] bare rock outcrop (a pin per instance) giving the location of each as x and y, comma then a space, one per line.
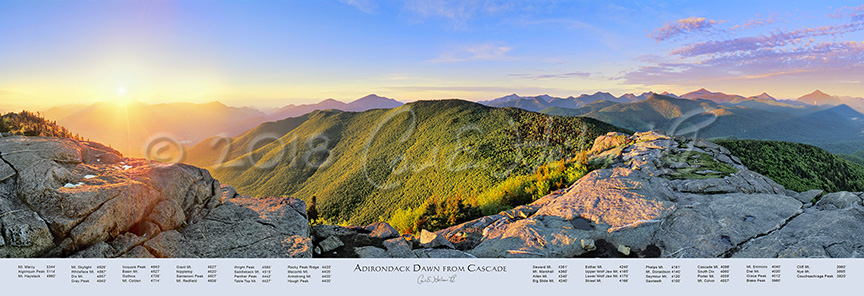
662, 196
61, 197
831, 233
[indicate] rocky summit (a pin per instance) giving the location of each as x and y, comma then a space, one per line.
654, 196
657, 196
61, 197
661, 196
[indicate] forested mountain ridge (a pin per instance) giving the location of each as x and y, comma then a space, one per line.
364, 165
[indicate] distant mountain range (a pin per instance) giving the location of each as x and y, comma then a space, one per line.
362, 104
821, 98
541, 102
129, 127
717, 97
753, 118
537, 103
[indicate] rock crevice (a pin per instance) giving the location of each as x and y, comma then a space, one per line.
731, 252
8, 163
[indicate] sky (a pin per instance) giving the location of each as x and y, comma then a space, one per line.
275, 53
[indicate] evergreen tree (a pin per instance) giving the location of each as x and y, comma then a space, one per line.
31, 124
312, 211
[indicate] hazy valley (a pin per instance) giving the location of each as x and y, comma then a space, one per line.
131, 126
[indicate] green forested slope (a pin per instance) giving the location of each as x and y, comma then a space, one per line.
856, 157
363, 166
216, 150
798, 167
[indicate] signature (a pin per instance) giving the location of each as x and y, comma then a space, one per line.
435, 279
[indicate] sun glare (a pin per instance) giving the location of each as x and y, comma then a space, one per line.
122, 96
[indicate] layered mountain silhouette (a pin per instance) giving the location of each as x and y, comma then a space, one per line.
764, 96
546, 101
754, 118
820, 98
537, 103
362, 104
717, 97
766, 102
131, 127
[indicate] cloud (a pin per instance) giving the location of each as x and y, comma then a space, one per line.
458, 12
477, 52
755, 22
367, 6
548, 76
856, 14
803, 52
681, 27
563, 22
773, 40
826, 58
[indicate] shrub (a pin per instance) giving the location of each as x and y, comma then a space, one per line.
519, 190
32, 124
435, 214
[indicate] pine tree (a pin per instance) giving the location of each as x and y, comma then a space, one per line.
312, 211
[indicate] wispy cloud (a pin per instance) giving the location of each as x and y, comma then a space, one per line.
548, 76
683, 26
367, 6
476, 52
563, 22
856, 14
824, 58
773, 40
755, 22
457, 12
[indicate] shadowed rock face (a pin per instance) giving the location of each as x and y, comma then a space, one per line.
60, 197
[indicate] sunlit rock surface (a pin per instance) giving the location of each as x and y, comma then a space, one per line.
60, 197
